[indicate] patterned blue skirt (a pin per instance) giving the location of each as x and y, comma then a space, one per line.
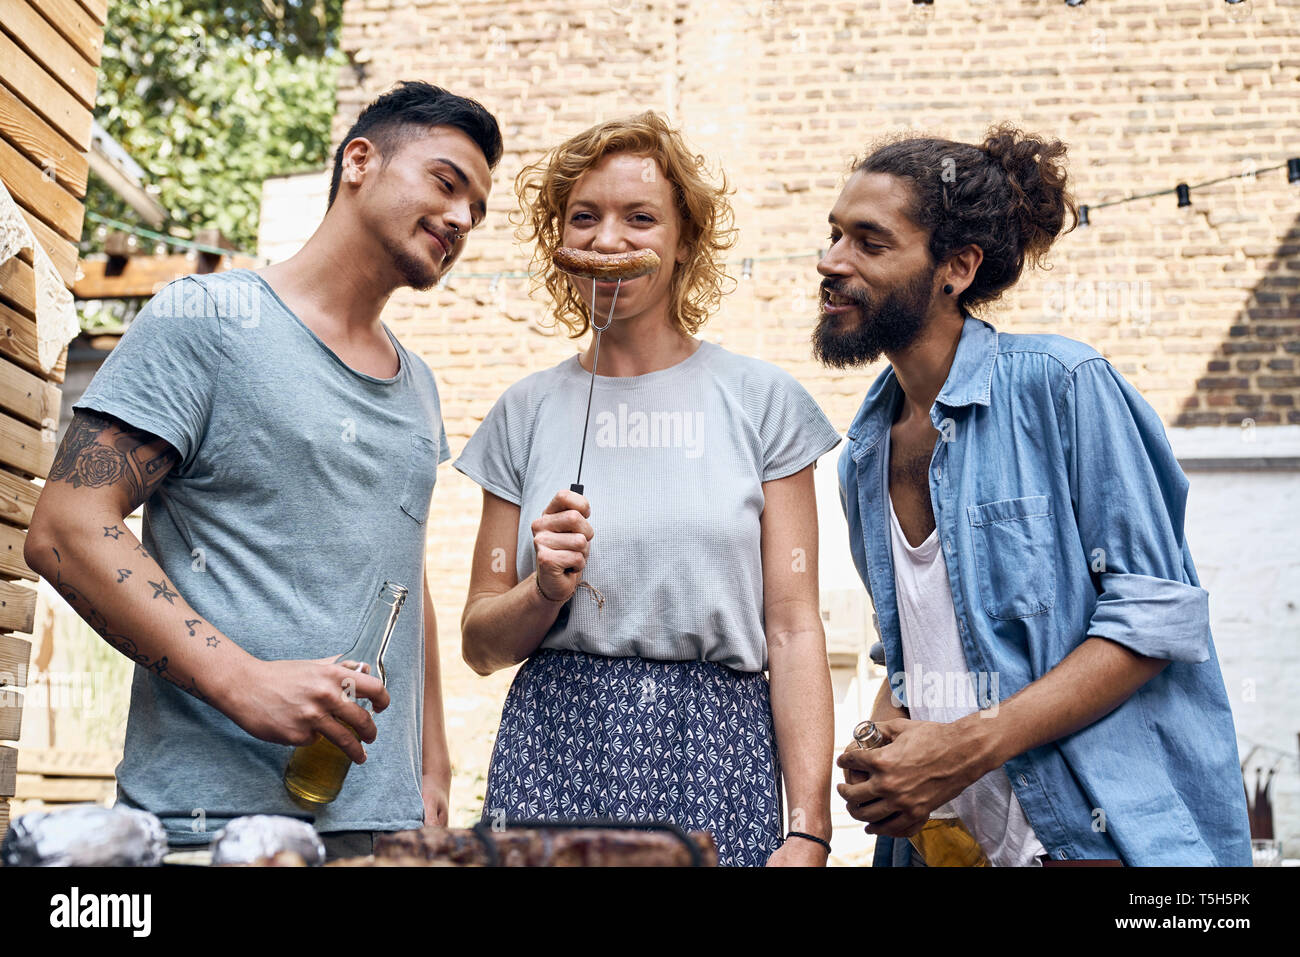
688, 742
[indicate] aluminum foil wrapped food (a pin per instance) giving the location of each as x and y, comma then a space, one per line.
247, 840
85, 835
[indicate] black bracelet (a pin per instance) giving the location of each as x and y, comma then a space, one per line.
810, 837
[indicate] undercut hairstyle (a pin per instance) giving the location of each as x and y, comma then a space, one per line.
703, 210
410, 108
1009, 196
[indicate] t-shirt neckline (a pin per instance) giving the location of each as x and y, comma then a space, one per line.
573, 366
401, 358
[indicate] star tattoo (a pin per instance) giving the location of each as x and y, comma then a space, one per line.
112, 531
213, 641
161, 590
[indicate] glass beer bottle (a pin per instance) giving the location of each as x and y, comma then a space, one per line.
944, 840
316, 771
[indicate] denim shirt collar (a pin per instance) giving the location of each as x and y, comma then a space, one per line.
968, 383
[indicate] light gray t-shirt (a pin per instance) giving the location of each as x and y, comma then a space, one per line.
674, 471
302, 486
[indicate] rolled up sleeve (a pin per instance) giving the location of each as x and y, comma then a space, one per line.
1130, 498
1155, 617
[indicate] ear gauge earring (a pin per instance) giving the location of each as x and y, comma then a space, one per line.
947, 289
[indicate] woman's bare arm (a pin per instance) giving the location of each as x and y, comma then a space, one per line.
802, 703
505, 619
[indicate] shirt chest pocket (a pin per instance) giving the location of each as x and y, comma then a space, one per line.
1015, 556
421, 473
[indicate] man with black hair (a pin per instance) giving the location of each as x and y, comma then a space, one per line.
284, 445
1016, 514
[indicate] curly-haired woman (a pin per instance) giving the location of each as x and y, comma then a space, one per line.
647, 611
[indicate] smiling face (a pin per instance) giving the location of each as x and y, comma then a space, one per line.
625, 202
878, 278
423, 202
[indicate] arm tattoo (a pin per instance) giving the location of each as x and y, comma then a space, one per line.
100, 450
93, 617
161, 590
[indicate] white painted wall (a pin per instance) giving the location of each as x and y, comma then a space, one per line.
1243, 516
292, 207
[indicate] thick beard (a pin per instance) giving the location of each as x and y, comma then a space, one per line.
415, 272
891, 326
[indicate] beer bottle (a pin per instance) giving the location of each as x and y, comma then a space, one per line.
944, 840
316, 771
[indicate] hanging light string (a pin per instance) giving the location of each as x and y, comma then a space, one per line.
162, 237
1182, 190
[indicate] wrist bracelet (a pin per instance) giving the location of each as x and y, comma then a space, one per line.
810, 837
538, 579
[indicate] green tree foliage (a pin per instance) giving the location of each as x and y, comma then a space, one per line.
212, 98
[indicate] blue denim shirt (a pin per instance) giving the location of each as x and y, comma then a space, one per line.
1060, 507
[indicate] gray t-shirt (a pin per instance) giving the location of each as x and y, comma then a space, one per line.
674, 471
302, 486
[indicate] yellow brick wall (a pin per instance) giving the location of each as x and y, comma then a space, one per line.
1197, 307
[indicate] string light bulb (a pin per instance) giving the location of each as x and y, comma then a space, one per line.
1293, 170
1083, 215
1239, 10
1184, 195
747, 269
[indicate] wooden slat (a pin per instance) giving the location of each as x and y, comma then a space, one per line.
8, 770
18, 285
98, 9
18, 342
40, 194
4, 817
11, 554
15, 652
17, 502
61, 58
142, 276
44, 94
55, 762
34, 786
29, 397
11, 714
24, 448
18, 339
72, 20
62, 252
42, 144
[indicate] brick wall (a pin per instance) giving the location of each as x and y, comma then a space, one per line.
1198, 307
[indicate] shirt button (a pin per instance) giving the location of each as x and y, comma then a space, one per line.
938, 473
948, 545
1024, 781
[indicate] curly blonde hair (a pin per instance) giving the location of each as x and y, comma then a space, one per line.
703, 208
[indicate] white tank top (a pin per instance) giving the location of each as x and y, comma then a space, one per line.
940, 687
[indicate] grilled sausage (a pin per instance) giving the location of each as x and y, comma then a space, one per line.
586, 264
